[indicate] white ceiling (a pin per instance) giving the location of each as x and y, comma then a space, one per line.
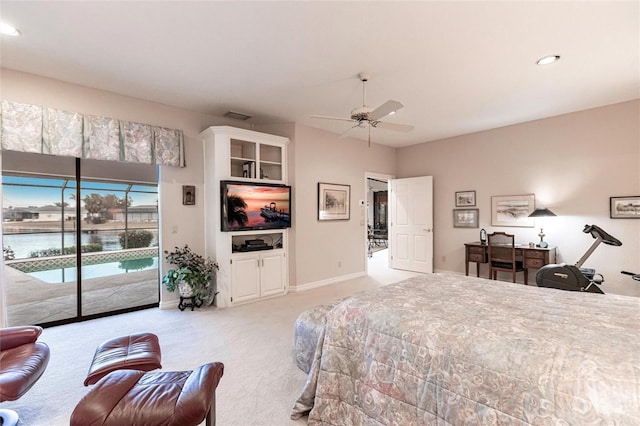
458, 67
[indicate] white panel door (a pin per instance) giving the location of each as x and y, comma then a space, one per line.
245, 278
411, 225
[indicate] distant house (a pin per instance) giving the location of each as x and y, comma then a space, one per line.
145, 213
11, 214
48, 213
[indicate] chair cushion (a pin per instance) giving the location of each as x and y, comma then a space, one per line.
139, 351
168, 398
20, 369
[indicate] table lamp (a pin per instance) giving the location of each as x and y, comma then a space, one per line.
542, 213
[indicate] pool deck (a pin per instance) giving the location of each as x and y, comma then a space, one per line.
31, 301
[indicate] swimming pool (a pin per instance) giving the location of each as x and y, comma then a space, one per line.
62, 275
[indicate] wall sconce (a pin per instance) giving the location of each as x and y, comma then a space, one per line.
542, 213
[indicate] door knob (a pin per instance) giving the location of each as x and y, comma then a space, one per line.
427, 229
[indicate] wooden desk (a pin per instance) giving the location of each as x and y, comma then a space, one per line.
534, 257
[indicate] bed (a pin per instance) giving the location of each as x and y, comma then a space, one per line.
442, 349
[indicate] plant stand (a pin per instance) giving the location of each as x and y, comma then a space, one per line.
187, 298
189, 301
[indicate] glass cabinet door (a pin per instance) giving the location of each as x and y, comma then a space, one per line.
270, 162
243, 159
252, 160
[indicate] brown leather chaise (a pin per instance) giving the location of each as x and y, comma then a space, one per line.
22, 362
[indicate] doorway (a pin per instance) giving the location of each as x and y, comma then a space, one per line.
377, 222
407, 210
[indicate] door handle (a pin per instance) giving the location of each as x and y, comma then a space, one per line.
427, 229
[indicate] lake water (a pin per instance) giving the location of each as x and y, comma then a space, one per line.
23, 244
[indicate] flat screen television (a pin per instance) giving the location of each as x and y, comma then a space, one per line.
251, 205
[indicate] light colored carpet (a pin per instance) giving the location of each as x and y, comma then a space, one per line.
254, 341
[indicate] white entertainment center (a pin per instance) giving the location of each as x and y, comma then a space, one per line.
253, 263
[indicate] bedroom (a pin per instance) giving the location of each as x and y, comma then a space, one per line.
573, 163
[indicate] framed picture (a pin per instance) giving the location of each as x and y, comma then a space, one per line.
465, 198
465, 218
624, 207
512, 210
333, 201
188, 195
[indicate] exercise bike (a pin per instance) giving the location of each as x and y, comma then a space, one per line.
575, 277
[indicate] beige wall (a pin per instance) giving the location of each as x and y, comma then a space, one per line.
188, 221
313, 156
328, 251
572, 163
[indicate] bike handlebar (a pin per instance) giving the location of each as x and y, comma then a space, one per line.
634, 276
597, 232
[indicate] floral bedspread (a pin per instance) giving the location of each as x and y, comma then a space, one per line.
446, 349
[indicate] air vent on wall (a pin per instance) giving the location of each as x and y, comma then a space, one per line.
237, 116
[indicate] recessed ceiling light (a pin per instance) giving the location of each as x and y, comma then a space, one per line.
9, 30
548, 60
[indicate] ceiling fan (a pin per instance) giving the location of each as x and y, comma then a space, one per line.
370, 117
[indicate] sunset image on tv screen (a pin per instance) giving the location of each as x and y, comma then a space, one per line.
256, 206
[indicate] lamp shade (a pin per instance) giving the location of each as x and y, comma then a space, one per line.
542, 213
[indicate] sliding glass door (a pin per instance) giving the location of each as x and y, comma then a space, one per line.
120, 265
39, 244
76, 247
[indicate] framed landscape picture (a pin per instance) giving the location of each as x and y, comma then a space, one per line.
465, 218
465, 198
512, 210
333, 201
624, 207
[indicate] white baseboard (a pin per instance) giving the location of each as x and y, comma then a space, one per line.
444, 271
169, 304
322, 283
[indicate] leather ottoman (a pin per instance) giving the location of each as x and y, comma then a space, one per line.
158, 398
139, 351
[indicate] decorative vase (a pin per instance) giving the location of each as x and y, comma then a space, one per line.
184, 289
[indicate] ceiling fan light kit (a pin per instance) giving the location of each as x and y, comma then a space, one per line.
365, 115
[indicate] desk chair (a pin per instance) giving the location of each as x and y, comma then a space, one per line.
502, 256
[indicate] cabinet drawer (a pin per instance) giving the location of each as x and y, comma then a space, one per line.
476, 257
534, 263
535, 254
472, 249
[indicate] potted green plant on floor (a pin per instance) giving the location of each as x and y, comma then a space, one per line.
193, 277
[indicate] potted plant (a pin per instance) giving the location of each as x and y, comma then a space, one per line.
194, 276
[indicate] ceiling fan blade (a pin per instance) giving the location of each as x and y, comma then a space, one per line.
394, 126
326, 117
343, 134
385, 109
